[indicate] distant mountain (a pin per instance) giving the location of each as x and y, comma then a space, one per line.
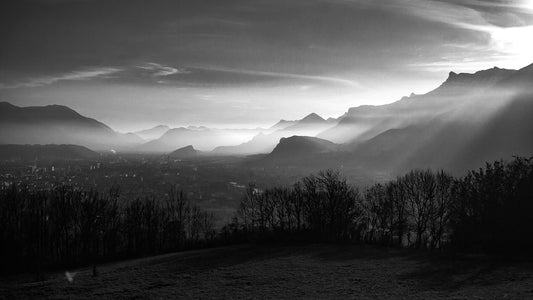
311, 122
185, 152
332, 120
57, 124
261, 143
152, 133
45, 152
310, 125
296, 147
201, 138
281, 125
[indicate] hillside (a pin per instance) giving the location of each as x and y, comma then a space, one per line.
289, 272
296, 147
185, 152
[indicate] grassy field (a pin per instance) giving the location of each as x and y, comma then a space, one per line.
306, 271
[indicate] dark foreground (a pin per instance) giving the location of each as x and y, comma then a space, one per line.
308, 271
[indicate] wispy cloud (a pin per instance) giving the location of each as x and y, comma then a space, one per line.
84, 74
161, 70
318, 78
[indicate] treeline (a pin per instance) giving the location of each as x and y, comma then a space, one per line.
487, 210
68, 226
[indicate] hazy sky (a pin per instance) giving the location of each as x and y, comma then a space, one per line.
138, 63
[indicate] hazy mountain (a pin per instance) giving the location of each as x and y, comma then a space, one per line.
310, 125
281, 125
45, 152
261, 143
202, 138
301, 146
468, 120
57, 124
365, 122
310, 122
185, 152
458, 84
152, 133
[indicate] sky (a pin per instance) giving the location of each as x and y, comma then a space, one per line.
133, 64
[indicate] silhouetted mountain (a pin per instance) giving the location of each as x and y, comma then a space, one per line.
152, 133
185, 152
57, 124
296, 147
45, 152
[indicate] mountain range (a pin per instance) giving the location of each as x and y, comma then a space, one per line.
467, 120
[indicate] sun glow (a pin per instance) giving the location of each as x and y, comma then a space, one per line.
514, 46
527, 4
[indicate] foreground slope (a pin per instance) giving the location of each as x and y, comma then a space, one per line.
289, 272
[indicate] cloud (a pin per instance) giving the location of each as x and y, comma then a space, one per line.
84, 74
280, 75
159, 70
504, 24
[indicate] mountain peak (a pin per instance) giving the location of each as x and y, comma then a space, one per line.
282, 124
312, 118
494, 73
480, 79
